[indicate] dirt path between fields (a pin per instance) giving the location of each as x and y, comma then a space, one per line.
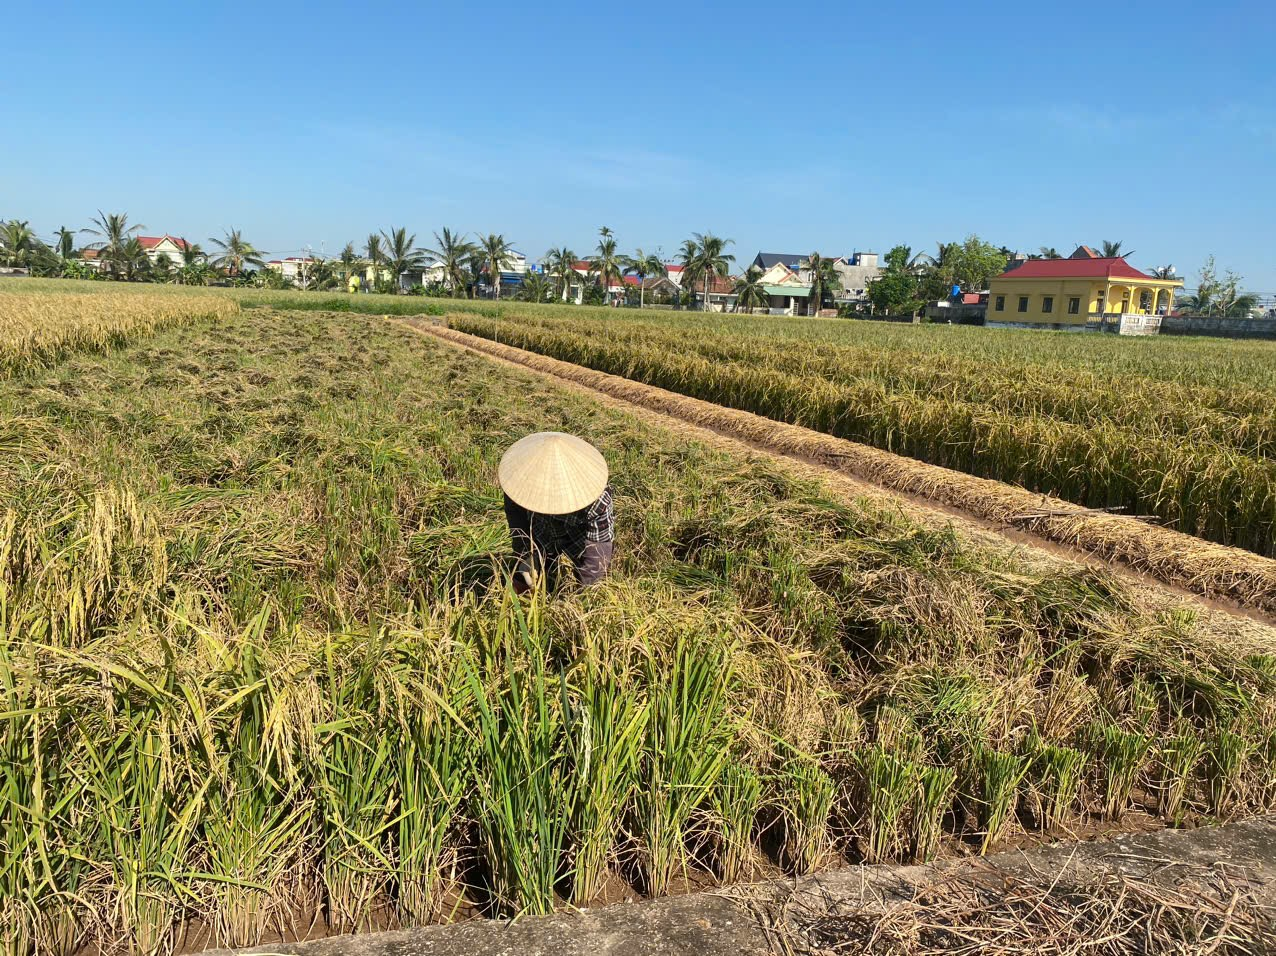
1236, 588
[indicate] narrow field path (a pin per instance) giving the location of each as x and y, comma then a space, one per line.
1216, 577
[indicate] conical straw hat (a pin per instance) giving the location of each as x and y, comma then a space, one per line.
551, 473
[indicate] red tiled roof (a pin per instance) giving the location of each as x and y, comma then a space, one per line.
670, 267
1110, 268
150, 242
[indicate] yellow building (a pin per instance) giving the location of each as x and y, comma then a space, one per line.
1073, 291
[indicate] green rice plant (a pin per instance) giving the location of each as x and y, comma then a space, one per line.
1000, 775
433, 770
889, 782
1057, 773
356, 783
523, 787
1224, 764
1176, 763
42, 828
934, 798
254, 831
806, 795
148, 807
605, 727
686, 750
1120, 756
736, 801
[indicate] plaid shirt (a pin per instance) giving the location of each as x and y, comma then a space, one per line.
554, 535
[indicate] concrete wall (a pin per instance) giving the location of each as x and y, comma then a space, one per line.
1226, 328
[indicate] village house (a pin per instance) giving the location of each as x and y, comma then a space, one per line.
1084, 288
155, 246
172, 246
786, 293
855, 271
293, 268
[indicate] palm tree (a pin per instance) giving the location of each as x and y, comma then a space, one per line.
401, 253
236, 252
475, 267
1048, 252
825, 282
1162, 272
536, 287
749, 291
17, 242
497, 256
562, 265
925, 262
162, 270
133, 259
1112, 250
64, 243
375, 254
606, 263
193, 254
643, 265
349, 259
451, 254
114, 230
704, 257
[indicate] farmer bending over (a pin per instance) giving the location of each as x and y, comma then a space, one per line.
558, 503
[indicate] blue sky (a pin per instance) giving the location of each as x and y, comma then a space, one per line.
835, 127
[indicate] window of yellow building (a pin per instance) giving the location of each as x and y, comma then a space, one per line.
1047, 303
1074, 305
1000, 304
1023, 303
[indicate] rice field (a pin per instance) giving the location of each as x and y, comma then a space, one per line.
38, 328
262, 674
1180, 431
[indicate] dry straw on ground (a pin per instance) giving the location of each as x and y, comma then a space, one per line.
995, 912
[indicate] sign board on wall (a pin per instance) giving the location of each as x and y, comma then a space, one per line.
1140, 324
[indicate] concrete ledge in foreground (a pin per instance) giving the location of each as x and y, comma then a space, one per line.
1237, 859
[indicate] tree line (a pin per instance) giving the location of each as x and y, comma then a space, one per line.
460, 265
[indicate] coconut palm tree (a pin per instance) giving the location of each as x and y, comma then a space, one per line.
825, 282
401, 253
374, 253
497, 256
1112, 250
1162, 272
1048, 252
749, 291
562, 265
475, 269
606, 264
349, 260
17, 242
114, 230
64, 244
704, 257
236, 252
644, 266
536, 287
133, 260
452, 253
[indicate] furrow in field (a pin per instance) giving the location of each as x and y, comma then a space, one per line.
1199, 566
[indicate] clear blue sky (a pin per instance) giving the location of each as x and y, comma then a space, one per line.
835, 127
